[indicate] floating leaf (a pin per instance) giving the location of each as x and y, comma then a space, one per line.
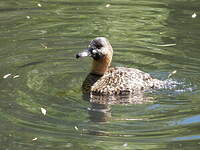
125, 144
39, 5
108, 5
16, 76
76, 128
44, 46
194, 15
44, 111
34, 139
167, 45
172, 73
6, 76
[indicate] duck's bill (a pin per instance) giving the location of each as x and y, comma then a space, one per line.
82, 54
85, 53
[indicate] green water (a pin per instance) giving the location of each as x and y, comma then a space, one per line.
39, 40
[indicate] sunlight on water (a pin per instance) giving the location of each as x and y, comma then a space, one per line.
41, 102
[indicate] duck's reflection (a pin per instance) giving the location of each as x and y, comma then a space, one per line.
100, 110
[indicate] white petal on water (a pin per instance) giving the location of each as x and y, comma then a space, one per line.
172, 73
44, 111
167, 45
108, 5
34, 139
39, 5
194, 15
125, 144
6, 76
88, 108
128, 119
43, 45
76, 128
16, 76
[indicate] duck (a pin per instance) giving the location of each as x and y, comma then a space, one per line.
106, 80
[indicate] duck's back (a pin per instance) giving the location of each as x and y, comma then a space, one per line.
121, 80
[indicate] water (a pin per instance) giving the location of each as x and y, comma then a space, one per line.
39, 40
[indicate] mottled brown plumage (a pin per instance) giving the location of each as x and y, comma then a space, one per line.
121, 80
104, 80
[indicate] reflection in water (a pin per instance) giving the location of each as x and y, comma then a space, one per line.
100, 110
136, 98
101, 105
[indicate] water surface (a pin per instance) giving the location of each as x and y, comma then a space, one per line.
39, 40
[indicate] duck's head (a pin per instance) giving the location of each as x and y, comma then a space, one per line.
101, 51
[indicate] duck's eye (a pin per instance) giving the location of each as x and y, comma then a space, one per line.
97, 56
98, 46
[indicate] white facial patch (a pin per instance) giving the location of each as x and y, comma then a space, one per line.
83, 54
94, 51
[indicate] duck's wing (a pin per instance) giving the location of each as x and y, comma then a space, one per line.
121, 80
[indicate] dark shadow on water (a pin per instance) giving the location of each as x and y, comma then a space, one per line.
39, 62
32, 64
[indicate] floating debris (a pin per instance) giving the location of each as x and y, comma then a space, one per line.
34, 139
28, 17
16, 76
89, 108
44, 111
68, 145
6, 76
194, 15
172, 73
167, 45
132, 119
108, 5
76, 128
125, 144
44, 46
39, 5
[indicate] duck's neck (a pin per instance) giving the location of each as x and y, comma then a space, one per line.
100, 66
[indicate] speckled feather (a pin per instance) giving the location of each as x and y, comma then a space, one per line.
121, 81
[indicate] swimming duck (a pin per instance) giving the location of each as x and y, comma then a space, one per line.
106, 80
